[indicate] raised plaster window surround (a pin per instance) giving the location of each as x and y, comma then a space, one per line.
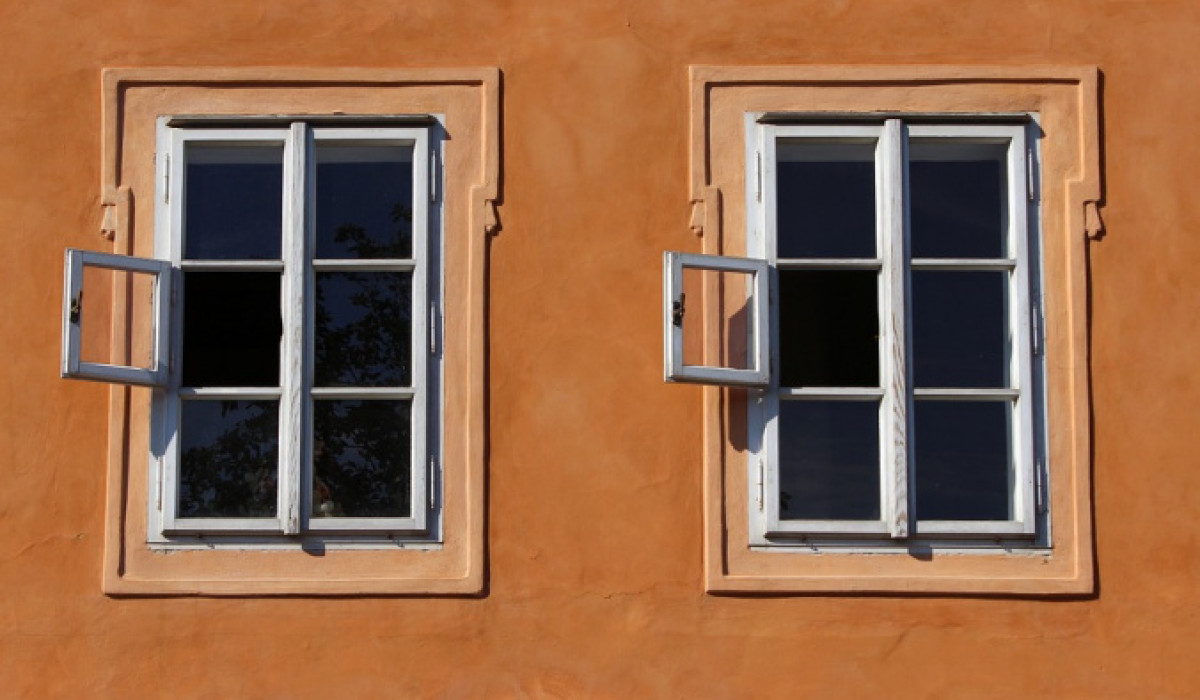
923, 423
313, 349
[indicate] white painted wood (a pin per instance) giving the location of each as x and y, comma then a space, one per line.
964, 264
793, 528
1024, 313
966, 394
375, 265
232, 393
292, 404
973, 528
829, 263
73, 365
232, 265
895, 328
674, 263
362, 392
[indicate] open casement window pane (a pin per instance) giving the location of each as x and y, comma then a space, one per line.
707, 293
89, 280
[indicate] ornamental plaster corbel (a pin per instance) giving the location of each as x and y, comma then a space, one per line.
1093, 225
115, 205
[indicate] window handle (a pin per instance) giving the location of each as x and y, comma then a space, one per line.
76, 308
677, 311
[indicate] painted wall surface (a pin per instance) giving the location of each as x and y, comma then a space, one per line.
594, 559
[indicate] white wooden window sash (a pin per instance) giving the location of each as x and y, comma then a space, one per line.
296, 392
676, 313
73, 365
894, 395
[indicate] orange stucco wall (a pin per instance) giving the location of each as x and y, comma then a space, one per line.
594, 541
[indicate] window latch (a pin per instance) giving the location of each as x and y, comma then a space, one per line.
76, 308
677, 311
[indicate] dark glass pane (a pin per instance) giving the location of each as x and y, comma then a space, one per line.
364, 200
229, 459
828, 328
829, 460
231, 328
361, 460
962, 460
233, 201
957, 195
960, 329
826, 194
364, 329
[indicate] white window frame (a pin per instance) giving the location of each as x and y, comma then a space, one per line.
295, 392
1029, 524
675, 315
73, 365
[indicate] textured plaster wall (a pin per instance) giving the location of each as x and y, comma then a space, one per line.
594, 550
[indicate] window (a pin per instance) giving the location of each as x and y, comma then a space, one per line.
302, 393
294, 307
904, 406
922, 423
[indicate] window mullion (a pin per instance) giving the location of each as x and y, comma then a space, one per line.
893, 231
292, 404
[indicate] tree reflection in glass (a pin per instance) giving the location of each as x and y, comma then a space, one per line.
362, 335
364, 200
230, 452
361, 463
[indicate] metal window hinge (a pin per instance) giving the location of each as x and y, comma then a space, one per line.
758, 176
761, 487
1029, 173
1039, 486
433, 177
158, 466
1036, 326
167, 179
434, 329
433, 481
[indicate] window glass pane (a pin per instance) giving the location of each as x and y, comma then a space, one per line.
229, 456
828, 328
826, 199
957, 194
829, 460
363, 329
233, 201
361, 459
231, 328
962, 461
960, 329
364, 200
